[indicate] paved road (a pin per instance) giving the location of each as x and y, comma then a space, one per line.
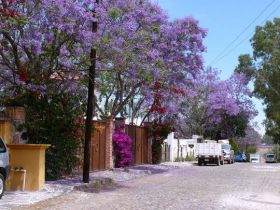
237, 186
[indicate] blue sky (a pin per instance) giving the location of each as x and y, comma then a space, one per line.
225, 20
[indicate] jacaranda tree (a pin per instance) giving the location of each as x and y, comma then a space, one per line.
44, 48
138, 46
218, 108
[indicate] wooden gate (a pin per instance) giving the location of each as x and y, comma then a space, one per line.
98, 146
140, 143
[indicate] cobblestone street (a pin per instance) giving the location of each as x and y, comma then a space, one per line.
236, 186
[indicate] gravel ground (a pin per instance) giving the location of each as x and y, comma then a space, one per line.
237, 186
54, 189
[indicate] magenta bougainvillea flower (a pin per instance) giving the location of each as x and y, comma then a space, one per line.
122, 148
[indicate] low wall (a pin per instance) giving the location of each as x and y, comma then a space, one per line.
27, 166
181, 148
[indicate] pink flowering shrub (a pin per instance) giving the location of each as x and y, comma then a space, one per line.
122, 148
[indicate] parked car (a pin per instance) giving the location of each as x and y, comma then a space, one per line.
4, 166
240, 158
244, 157
270, 158
255, 158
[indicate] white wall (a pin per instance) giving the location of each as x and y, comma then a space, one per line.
184, 147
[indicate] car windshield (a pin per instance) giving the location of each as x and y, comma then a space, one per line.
270, 156
225, 146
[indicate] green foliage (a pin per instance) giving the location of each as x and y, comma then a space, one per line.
234, 145
229, 127
246, 66
115, 13
276, 152
273, 130
55, 120
265, 71
251, 149
178, 159
267, 140
190, 158
156, 151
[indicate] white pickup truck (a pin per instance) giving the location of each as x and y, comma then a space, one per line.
210, 152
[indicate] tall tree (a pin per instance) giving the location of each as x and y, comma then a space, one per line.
139, 46
266, 72
44, 49
246, 66
217, 108
44, 44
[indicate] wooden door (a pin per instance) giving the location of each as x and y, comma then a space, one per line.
138, 146
98, 146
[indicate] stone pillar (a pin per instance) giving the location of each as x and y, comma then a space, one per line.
109, 162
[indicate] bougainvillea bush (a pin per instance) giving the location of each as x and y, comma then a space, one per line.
159, 133
122, 148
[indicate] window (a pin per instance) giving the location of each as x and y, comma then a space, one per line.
270, 156
2, 146
225, 146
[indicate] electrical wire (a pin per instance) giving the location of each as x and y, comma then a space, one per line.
240, 34
247, 37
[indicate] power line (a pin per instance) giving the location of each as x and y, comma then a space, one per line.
246, 38
241, 33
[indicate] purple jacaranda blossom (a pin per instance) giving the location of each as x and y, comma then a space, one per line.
211, 100
50, 36
139, 45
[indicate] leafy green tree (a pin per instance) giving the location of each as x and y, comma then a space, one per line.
229, 127
251, 149
246, 66
234, 145
276, 151
264, 69
267, 140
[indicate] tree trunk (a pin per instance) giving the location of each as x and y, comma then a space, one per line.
90, 107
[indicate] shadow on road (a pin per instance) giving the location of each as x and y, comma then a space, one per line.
150, 170
96, 188
210, 165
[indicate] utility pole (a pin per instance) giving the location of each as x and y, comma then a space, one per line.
90, 104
